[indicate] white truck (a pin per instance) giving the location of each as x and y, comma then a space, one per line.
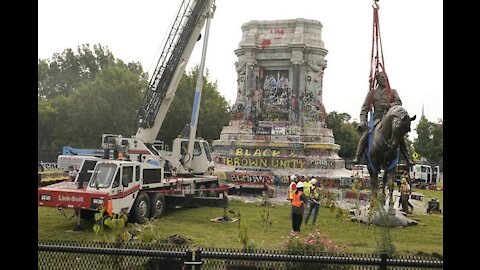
424, 175
136, 175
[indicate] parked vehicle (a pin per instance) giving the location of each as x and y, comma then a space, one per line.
136, 175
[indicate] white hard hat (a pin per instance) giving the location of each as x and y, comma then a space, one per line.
300, 185
313, 181
293, 177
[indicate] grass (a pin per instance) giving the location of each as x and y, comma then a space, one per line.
195, 225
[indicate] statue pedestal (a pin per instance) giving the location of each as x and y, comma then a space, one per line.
287, 149
278, 119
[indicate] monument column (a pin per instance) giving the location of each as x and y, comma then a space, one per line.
297, 60
250, 110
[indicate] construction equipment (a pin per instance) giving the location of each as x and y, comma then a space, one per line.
137, 175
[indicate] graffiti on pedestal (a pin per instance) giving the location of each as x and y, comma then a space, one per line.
255, 178
313, 105
239, 107
276, 96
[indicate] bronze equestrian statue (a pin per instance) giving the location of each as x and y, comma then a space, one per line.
383, 138
384, 145
378, 98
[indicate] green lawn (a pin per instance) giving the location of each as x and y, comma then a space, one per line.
195, 225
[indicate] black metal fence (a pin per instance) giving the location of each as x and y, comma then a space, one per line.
54, 254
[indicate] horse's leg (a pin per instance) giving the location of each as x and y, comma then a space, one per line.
384, 181
374, 187
391, 201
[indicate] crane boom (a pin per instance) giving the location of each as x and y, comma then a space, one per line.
171, 65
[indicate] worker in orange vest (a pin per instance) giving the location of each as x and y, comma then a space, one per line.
299, 201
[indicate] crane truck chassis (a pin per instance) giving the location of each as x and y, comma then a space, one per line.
141, 190
140, 178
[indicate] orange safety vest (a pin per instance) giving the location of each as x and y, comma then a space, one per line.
296, 199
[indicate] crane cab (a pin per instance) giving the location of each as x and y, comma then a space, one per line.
202, 161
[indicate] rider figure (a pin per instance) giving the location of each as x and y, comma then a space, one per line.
381, 106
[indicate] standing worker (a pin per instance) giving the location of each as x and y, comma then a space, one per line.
298, 207
405, 192
72, 173
307, 186
291, 187
314, 201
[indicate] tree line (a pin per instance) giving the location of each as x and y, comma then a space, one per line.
87, 92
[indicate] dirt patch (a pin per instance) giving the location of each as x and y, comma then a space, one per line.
177, 240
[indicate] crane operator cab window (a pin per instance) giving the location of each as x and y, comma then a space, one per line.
197, 150
103, 175
208, 151
127, 175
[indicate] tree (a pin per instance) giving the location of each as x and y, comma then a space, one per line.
107, 105
66, 71
213, 115
46, 122
421, 143
345, 133
436, 144
85, 93
429, 141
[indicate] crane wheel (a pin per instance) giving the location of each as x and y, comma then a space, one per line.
140, 209
158, 206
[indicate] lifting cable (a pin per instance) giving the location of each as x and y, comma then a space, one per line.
377, 63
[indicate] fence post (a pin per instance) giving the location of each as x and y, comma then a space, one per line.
383, 263
193, 260
198, 259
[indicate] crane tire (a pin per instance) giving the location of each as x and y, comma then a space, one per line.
158, 206
141, 209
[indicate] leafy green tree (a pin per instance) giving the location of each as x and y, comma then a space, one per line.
436, 144
421, 143
107, 105
429, 141
85, 93
46, 122
345, 133
213, 114
66, 71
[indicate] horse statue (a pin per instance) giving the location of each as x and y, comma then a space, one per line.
383, 151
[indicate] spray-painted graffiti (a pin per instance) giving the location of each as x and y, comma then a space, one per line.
251, 177
275, 103
240, 103
266, 152
311, 113
314, 108
257, 152
321, 163
281, 179
265, 162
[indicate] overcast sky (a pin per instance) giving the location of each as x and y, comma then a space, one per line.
411, 31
